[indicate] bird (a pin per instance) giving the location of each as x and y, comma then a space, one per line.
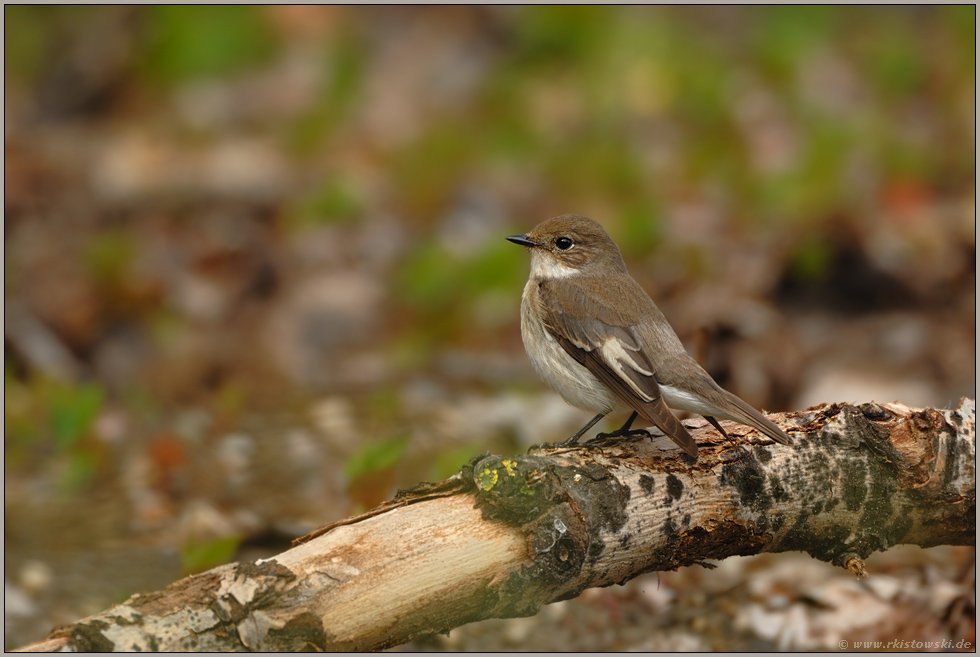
597, 338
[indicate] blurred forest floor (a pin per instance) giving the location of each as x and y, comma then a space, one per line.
255, 276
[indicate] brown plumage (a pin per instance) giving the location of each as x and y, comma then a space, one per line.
595, 336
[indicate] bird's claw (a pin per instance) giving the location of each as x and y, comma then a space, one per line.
564, 445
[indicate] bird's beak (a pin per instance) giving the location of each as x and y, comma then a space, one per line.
522, 240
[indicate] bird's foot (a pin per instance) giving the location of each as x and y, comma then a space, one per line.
571, 443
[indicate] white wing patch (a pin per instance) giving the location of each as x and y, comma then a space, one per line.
687, 401
617, 356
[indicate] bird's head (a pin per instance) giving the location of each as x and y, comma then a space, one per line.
570, 245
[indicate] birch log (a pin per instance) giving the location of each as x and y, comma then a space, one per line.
507, 535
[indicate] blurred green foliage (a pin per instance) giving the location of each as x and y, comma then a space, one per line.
28, 32
20, 417
72, 410
780, 37
177, 42
441, 294
199, 555
428, 170
449, 462
640, 227
498, 266
109, 256
562, 34
424, 275
337, 201
67, 411
49, 425
812, 258
184, 42
374, 457
435, 278
344, 65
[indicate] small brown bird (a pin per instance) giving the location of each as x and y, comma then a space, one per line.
599, 341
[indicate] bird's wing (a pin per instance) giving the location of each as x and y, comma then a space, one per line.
606, 343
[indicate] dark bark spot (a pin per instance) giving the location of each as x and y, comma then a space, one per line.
559, 542
819, 473
303, 633
726, 540
778, 492
88, 637
603, 502
749, 480
835, 438
764, 455
270, 568
855, 489
513, 594
830, 543
647, 484
232, 611
669, 529
824, 544
669, 552
878, 507
902, 525
675, 488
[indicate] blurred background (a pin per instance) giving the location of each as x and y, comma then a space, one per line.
255, 276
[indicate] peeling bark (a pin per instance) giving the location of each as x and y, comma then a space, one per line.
507, 535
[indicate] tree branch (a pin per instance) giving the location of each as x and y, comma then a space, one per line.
507, 535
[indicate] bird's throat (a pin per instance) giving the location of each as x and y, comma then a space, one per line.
546, 266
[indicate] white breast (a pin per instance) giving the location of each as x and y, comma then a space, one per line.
561, 372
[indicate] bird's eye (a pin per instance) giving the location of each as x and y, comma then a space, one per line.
563, 243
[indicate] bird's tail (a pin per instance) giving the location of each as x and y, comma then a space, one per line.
739, 411
657, 413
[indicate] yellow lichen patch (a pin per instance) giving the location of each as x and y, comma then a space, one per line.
487, 478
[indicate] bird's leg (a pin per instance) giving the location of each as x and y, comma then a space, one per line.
624, 430
715, 424
574, 439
